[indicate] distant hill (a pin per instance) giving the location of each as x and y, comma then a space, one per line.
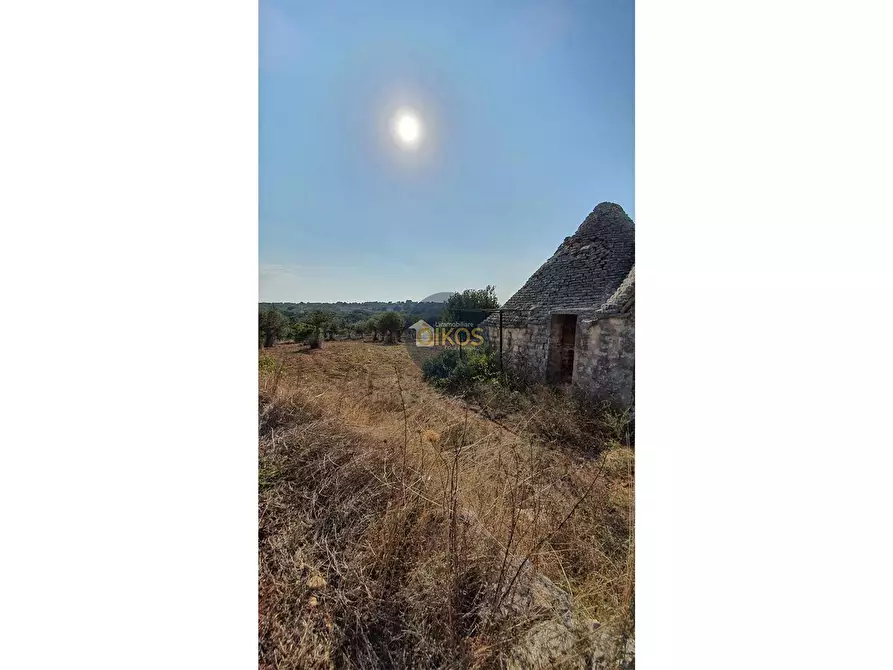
443, 296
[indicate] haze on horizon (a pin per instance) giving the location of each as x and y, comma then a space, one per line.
406, 150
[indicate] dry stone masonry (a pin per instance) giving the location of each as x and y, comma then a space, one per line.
573, 322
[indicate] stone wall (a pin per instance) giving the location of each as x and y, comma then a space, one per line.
525, 349
604, 355
605, 363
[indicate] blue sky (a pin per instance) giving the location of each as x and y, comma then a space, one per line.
528, 116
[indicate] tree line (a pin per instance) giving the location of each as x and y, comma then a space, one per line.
319, 325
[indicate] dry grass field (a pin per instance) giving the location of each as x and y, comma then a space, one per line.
401, 527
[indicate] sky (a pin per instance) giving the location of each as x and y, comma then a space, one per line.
527, 117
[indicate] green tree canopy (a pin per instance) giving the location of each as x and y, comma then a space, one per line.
302, 332
468, 305
334, 326
390, 324
370, 326
318, 320
272, 326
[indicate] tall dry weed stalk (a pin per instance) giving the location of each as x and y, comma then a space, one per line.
405, 432
413, 577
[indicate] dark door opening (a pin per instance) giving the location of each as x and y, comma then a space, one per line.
561, 350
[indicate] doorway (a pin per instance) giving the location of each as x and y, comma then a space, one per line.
561, 349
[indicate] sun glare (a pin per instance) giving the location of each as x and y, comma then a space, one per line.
408, 129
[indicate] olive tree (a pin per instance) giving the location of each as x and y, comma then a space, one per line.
301, 331
335, 326
390, 325
317, 320
470, 304
272, 325
370, 327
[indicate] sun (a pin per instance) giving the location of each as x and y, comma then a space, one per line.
407, 128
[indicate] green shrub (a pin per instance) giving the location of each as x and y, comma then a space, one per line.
440, 366
459, 369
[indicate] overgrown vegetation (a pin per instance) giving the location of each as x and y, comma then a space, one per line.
368, 574
266, 363
399, 528
555, 416
460, 369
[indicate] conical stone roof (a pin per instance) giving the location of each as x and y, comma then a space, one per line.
582, 274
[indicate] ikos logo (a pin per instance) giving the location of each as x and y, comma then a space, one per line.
447, 334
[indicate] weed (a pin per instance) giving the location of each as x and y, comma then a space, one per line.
418, 533
266, 363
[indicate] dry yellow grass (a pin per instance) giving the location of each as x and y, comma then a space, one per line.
571, 514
